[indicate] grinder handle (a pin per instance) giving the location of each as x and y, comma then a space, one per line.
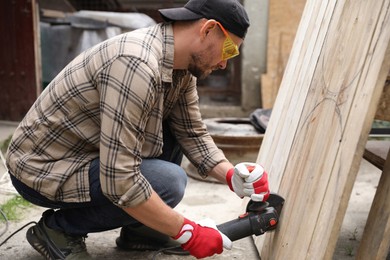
236, 228
252, 223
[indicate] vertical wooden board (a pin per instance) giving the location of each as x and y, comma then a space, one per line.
275, 149
294, 88
376, 237
383, 111
370, 36
311, 158
283, 20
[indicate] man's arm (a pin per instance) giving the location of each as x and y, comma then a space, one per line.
200, 241
220, 170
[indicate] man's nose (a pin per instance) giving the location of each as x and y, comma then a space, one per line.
222, 64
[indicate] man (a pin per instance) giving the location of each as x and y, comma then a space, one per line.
102, 144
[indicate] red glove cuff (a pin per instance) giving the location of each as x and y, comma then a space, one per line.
204, 241
229, 176
188, 225
262, 184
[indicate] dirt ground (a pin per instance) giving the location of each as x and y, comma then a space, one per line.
222, 205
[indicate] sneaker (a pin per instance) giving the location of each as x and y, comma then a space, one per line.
143, 238
53, 244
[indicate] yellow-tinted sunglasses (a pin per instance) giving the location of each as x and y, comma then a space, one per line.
229, 48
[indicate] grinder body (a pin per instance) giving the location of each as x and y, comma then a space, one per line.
259, 218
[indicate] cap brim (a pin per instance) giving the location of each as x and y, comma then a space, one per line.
178, 14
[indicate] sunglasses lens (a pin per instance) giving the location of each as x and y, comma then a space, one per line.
230, 49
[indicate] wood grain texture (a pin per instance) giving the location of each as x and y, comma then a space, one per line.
284, 17
383, 111
376, 236
320, 122
376, 152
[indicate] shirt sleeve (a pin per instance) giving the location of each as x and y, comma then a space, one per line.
191, 132
128, 90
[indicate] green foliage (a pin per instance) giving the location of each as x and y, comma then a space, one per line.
349, 250
381, 124
13, 208
4, 144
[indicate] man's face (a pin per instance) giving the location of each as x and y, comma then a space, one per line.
203, 62
200, 65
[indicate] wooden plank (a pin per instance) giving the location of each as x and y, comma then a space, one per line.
376, 236
375, 152
320, 122
283, 20
383, 112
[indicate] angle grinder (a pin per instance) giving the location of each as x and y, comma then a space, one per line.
259, 218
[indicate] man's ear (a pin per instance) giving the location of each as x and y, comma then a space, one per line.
207, 26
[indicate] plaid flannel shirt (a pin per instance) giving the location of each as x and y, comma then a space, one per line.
109, 102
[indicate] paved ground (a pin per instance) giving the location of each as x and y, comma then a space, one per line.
222, 205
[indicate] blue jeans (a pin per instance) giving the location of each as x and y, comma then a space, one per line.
164, 174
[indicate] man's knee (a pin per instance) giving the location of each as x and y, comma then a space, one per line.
168, 179
178, 180
175, 182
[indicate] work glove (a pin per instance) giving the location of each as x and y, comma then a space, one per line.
202, 239
249, 179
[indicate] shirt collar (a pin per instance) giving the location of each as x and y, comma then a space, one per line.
168, 52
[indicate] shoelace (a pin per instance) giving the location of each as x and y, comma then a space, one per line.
76, 244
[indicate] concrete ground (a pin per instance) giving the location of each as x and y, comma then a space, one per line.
221, 205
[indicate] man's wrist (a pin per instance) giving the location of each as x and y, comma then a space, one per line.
185, 233
229, 177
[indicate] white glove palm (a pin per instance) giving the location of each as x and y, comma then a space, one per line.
227, 243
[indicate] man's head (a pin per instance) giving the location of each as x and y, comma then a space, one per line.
220, 27
230, 13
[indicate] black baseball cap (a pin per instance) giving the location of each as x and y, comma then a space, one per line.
230, 13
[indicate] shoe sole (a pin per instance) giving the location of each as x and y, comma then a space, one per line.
37, 243
44, 246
